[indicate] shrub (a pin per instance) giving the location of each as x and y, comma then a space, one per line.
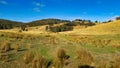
118, 18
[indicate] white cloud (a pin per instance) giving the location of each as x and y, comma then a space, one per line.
3, 2
38, 4
37, 9
113, 17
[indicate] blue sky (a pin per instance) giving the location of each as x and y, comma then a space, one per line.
29, 10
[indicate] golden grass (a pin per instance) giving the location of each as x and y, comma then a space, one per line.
6, 46
28, 57
60, 58
103, 64
84, 57
100, 29
35, 60
116, 63
39, 62
16, 48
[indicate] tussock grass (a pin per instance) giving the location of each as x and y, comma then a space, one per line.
28, 46
35, 60
84, 57
116, 63
60, 58
16, 47
4, 57
103, 64
28, 57
40, 62
6, 46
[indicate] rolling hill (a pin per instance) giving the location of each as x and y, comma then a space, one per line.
8, 24
105, 28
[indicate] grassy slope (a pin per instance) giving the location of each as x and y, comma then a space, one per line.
100, 29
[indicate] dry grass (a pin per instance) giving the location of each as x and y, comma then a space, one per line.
101, 43
35, 60
60, 58
0, 56
39, 62
100, 29
16, 48
28, 57
84, 57
4, 58
6, 46
116, 63
28, 46
103, 64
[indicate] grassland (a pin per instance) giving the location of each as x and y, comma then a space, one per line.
90, 46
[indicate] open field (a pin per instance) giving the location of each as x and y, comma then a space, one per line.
95, 48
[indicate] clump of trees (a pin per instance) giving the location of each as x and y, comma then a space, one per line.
118, 18
60, 28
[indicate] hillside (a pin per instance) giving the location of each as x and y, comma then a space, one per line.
8, 24
49, 21
105, 28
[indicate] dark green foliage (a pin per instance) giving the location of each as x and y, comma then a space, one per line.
80, 23
23, 27
118, 18
7, 24
47, 27
61, 28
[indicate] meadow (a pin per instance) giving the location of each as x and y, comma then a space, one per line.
58, 50
96, 46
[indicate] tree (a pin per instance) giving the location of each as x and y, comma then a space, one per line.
118, 18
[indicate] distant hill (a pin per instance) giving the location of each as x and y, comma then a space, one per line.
61, 24
46, 22
8, 24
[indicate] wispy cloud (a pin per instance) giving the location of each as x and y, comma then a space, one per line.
36, 9
3, 2
38, 4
